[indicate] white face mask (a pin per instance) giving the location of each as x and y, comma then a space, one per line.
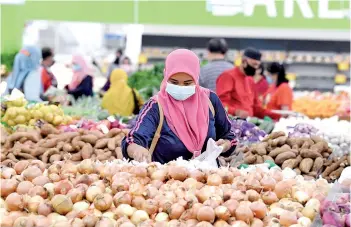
180, 93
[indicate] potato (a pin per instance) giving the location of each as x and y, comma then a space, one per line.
54, 158
266, 157
113, 132
306, 165
308, 153
297, 171
290, 163
87, 151
259, 159
68, 148
325, 154
111, 144
276, 152
101, 143
274, 135
318, 164
319, 147
279, 141
250, 159
284, 156
104, 156
119, 153
90, 138
336, 174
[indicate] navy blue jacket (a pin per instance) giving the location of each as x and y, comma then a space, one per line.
169, 146
85, 88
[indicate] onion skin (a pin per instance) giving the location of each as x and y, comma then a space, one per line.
20, 166
103, 202
61, 204
232, 205
44, 209
176, 211
214, 180
31, 172
222, 213
244, 213
206, 213
41, 180
259, 209
14, 202
63, 187
8, 186
122, 198
178, 173
23, 221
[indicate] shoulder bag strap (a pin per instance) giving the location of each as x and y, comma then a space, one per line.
211, 108
158, 130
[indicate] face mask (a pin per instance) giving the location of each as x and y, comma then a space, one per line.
76, 67
249, 70
269, 79
180, 93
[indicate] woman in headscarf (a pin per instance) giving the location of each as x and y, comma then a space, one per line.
180, 119
120, 98
26, 75
82, 81
279, 95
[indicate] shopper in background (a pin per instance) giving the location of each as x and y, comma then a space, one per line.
236, 88
115, 63
120, 99
261, 84
127, 66
182, 116
279, 95
26, 75
47, 77
217, 48
82, 81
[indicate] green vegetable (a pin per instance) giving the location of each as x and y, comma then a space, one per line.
271, 163
243, 166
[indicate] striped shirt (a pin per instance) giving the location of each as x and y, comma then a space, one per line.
211, 71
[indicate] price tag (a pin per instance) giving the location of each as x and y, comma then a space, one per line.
111, 119
340, 79
103, 128
237, 62
291, 76
343, 66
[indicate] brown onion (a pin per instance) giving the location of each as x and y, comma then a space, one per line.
31, 172
244, 213
252, 195
33, 203
41, 180
238, 196
86, 166
139, 171
159, 174
287, 218
198, 175
119, 185
253, 183
226, 175
90, 220
176, 211
257, 223
103, 202
191, 223
62, 204
76, 222
83, 179
41, 221
222, 212
138, 202
268, 183
232, 205
259, 209
44, 208
221, 223
92, 192
150, 206
7, 172
214, 180
76, 195
122, 198
54, 177
283, 189
14, 202
82, 187
23, 221
63, 187
178, 173
269, 197
38, 190
8, 186
20, 166
206, 213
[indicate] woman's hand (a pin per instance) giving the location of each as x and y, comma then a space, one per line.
225, 144
138, 153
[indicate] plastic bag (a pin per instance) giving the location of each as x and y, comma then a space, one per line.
209, 157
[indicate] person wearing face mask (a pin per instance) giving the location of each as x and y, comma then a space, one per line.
279, 95
82, 81
236, 88
261, 83
179, 120
47, 77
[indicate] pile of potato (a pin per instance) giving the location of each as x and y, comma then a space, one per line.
306, 156
49, 145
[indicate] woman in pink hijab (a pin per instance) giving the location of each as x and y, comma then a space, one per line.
82, 81
180, 119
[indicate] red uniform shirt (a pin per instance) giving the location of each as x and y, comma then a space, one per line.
237, 92
261, 86
276, 97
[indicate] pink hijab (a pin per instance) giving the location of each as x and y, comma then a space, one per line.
79, 76
188, 119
